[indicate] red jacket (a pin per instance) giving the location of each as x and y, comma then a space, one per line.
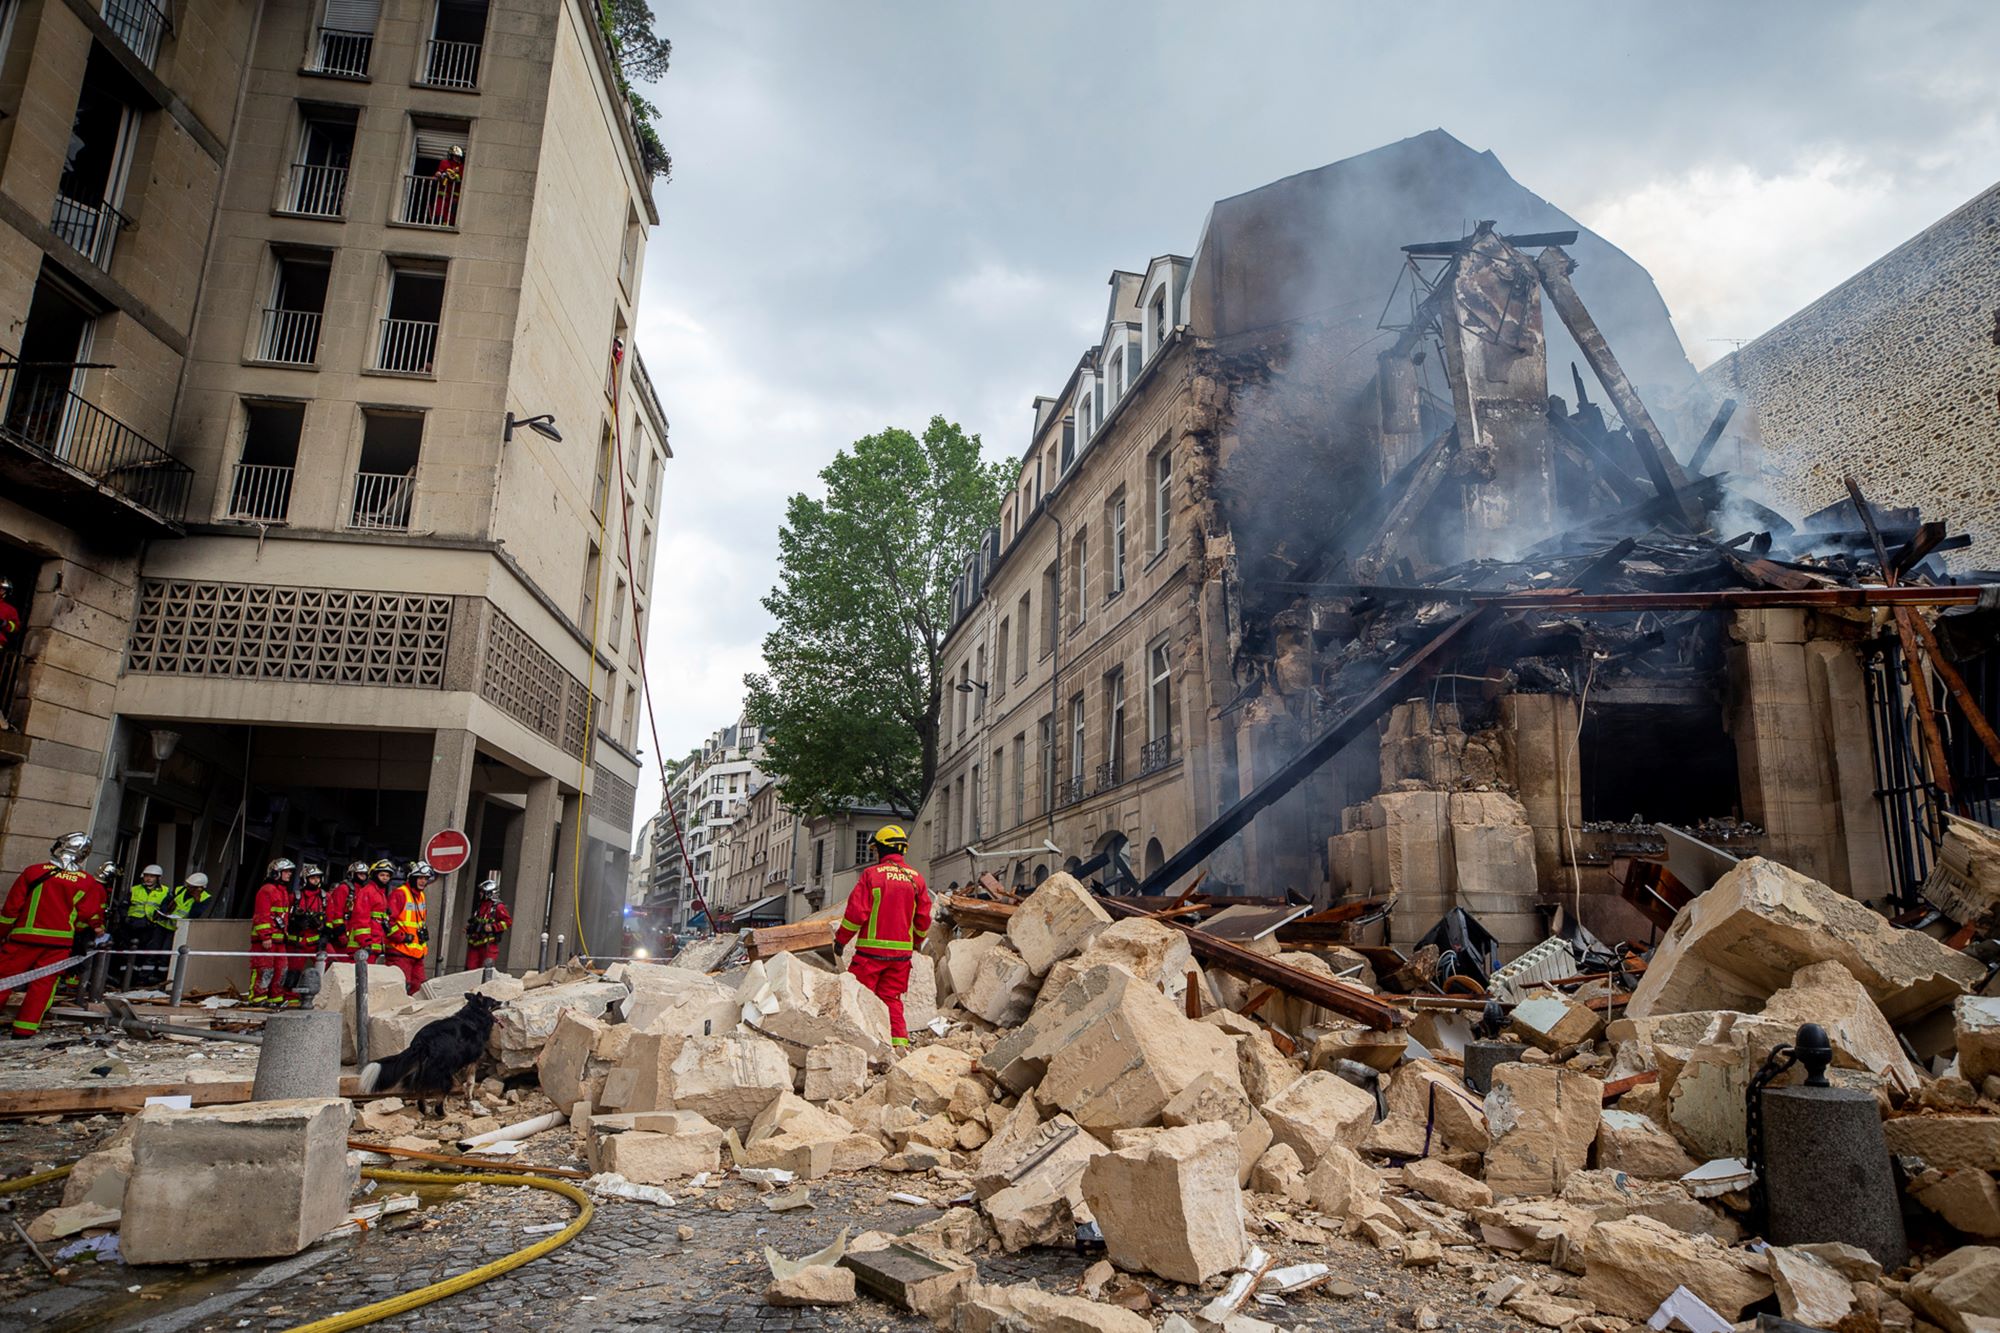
409, 930
890, 909
489, 922
267, 917
92, 905
41, 907
337, 899
10, 621
368, 917
306, 922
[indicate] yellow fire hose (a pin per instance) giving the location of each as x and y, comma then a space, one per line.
437, 1291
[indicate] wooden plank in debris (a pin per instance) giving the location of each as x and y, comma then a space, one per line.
1432, 467
798, 937
505, 1164
1712, 435
1244, 924
1666, 474
131, 1096
978, 913
1348, 1001
1651, 888
1913, 662
1954, 684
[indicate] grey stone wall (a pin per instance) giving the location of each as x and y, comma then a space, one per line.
1893, 377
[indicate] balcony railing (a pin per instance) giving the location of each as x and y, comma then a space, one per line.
317, 191
13, 669
344, 52
92, 229
450, 65
1155, 755
139, 24
429, 201
261, 491
1069, 791
407, 346
39, 413
382, 501
290, 337
1109, 775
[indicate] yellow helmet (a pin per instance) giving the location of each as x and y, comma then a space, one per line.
892, 837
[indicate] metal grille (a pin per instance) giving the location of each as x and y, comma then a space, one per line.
90, 228
613, 799
261, 491
408, 346
345, 52
1155, 755
317, 191
530, 686
451, 64
429, 201
254, 631
290, 337
139, 24
382, 501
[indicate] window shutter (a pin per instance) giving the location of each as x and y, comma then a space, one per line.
436, 143
352, 15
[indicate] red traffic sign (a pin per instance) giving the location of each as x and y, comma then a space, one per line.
447, 851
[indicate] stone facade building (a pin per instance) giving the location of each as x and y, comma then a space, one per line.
1892, 377
1165, 612
421, 462
116, 128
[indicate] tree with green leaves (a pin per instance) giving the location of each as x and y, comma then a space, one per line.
852, 691
642, 56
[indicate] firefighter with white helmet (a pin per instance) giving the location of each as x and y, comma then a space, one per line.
38, 926
268, 924
409, 926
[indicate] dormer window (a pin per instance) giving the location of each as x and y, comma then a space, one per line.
1159, 312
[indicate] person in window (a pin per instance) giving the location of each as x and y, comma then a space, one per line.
450, 175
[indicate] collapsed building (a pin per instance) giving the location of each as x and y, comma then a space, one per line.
1353, 415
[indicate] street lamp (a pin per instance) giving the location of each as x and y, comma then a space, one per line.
966, 686
543, 425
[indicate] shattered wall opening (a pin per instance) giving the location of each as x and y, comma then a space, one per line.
1629, 774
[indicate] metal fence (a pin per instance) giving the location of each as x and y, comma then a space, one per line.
261, 491
407, 345
429, 201
290, 337
450, 64
139, 24
382, 501
91, 228
1155, 755
40, 413
343, 51
317, 191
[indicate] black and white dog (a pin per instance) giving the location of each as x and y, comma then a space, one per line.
441, 1055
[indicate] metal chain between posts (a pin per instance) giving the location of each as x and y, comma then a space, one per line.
1781, 1059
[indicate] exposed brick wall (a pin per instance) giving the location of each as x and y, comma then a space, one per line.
1894, 377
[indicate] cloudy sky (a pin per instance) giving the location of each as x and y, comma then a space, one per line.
883, 211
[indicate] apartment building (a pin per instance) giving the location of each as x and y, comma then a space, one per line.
709, 789
1128, 653
423, 466
116, 124
833, 851
760, 854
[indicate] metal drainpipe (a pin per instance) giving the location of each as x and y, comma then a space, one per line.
1055, 668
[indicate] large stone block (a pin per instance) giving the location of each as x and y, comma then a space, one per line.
1640, 1147
1059, 919
1002, 990
1977, 1022
1631, 1265
386, 992
391, 1033
1825, 993
252, 1181
1121, 1071
1947, 1142
1320, 1110
523, 1025
728, 1079
458, 985
803, 1007
960, 963
920, 1001
835, 1071
794, 1135
926, 1079
1425, 1093
1759, 925
1543, 1121
675, 1002
564, 1060
1148, 950
1960, 1292
655, 1147
1020, 1058
1170, 1205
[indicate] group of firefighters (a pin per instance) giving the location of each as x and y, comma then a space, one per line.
58, 913
368, 913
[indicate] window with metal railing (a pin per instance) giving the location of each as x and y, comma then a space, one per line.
85, 212
1155, 755
346, 38
140, 24
407, 340
290, 332
435, 181
385, 485
453, 50
42, 413
316, 185
260, 488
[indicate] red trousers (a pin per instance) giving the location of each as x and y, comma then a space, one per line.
889, 978
479, 955
411, 968
35, 995
268, 965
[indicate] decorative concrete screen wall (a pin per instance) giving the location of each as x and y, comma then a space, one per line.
252, 631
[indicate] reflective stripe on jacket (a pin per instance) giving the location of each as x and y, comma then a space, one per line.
145, 901
890, 909
406, 921
267, 917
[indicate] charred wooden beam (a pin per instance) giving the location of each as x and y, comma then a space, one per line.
1348, 1001
1409, 506
1408, 675
1742, 599
1712, 435
1444, 249
1927, 539
1627, 487
1913, 662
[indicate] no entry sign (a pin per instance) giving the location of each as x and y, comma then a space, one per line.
447, 851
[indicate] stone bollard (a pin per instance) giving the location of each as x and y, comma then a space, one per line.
300, 1056
1483, 1057
1827, 1172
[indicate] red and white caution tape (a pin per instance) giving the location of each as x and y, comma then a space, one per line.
20, 979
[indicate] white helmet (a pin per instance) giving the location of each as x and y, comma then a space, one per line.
489, 888
151, 870
422, 870
197, 880
281, 864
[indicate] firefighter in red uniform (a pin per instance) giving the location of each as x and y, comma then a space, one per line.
890, 909
269, 958
409, 929
368, 914
38, 925
339, 899
93, 916
490, 920
450, 174
305, 927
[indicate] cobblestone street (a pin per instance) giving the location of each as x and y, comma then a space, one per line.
629, 1269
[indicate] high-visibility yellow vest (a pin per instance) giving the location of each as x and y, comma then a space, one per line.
410, 923
145, 901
